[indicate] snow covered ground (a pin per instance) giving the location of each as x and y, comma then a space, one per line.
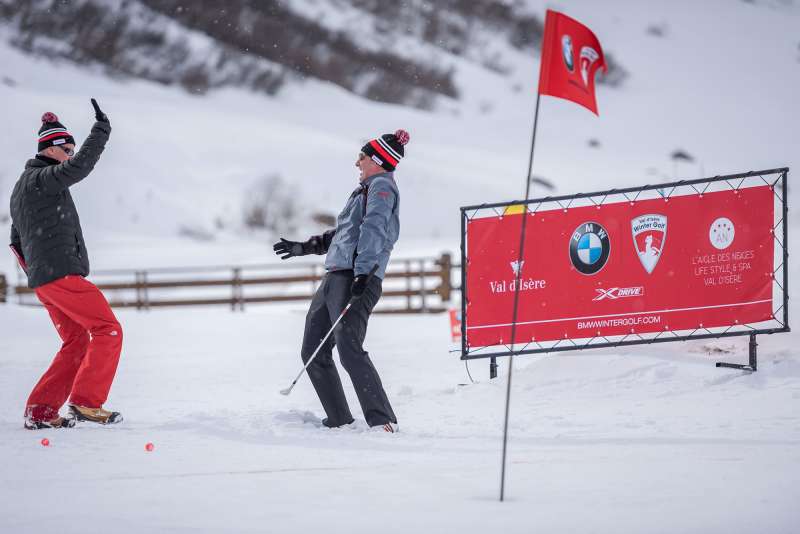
645, 440
650, 439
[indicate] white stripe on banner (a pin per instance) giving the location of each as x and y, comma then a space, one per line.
622, 314
389, 149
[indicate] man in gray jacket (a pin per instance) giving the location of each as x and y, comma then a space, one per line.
47, 239
366, 231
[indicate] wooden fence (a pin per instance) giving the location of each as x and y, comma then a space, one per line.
416, 285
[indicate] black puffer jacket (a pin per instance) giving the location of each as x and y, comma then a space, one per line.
45, 227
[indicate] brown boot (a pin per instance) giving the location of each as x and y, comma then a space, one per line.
58, 422
95, 415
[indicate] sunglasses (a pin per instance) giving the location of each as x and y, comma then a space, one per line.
68, 151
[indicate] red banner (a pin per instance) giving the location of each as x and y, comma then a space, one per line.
629, 267
571, 55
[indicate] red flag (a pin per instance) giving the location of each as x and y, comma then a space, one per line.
571, 54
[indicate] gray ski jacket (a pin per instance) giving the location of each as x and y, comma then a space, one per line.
366, 229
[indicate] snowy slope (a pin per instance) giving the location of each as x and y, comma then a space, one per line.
177, 160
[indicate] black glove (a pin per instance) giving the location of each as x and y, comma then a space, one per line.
359, 285
98, 114
288, 249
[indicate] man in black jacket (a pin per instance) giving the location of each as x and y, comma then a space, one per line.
46, 236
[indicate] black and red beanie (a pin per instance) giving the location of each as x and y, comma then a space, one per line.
53, 133
388, 149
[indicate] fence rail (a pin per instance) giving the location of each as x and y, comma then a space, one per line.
415, 285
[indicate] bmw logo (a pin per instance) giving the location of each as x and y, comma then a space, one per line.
589, 248
566, 52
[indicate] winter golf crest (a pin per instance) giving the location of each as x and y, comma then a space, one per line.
589, 248
649, 236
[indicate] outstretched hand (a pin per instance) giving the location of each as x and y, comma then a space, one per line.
98, 113
288, 249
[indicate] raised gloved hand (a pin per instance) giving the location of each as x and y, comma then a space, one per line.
288, 249
98, 113
359, 285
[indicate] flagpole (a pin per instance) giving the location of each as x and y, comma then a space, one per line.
516, 295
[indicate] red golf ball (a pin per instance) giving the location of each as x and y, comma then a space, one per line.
45, 442
149, 447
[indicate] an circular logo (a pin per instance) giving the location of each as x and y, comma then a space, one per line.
589, 248
721, 233
566, 52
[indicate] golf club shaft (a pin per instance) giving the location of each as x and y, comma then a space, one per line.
344, 311
311, 359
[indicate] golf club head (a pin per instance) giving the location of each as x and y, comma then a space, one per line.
286, 391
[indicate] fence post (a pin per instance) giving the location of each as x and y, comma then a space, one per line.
3, 288
138, 283
408, 285
145, 294
236, 289
446, 265
422, 285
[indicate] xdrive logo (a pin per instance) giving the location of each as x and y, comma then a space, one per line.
619, 293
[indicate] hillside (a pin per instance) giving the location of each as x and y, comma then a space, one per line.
159, 178
398, 52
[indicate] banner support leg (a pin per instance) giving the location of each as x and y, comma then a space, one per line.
753, 353
753, 358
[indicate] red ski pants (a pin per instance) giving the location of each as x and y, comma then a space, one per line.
84, 368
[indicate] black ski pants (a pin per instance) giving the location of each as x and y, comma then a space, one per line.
328, 302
